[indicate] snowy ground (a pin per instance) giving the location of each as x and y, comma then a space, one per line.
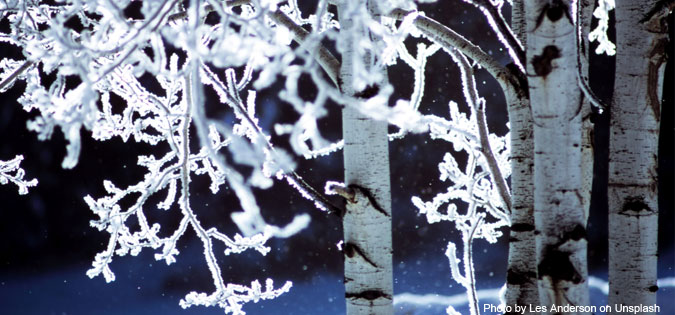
139, 290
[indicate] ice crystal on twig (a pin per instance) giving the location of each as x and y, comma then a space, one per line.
11, 172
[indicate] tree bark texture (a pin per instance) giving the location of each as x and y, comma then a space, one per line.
634, 131
521, 275
367, 222
560, 218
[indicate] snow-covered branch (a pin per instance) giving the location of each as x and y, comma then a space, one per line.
493, 14
477, 105
449, 39
11, 172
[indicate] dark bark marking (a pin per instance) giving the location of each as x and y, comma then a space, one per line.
657, 56
366, 192
578, 233
368, 92
522, 227
542, 63
554, 11
521, 79
352, 249
339, 82
557, 265
519, 278
653, 288
593, 118
636, 204
370, 295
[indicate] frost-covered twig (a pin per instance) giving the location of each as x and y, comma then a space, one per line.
583, 23
477, 104
13, 166
230, 297
10, 78
230, 95
492, 12
449, 39
599, 34
324, 57
467, 279
480, 184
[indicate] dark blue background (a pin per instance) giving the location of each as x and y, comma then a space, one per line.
46, 244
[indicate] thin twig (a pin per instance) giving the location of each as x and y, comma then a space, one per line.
503, 30
324, 57
449, 39
318, 197
27, 64
583, 11
472, 282
478, 106
211, 260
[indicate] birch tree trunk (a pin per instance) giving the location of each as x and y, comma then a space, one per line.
560, 220
367, 221
521, 276
634, 132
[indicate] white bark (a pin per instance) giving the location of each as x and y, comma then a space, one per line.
521, 274
521, 277
560, 220
634, 131
367, 222
518, 21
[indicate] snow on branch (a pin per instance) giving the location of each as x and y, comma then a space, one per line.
142, 79
449, 39
101, 87
599, 34
11, 172
474, 188
480, 184
477, 105
492, 11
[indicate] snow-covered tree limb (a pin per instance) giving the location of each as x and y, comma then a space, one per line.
11, 172
492, 12
477, 105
